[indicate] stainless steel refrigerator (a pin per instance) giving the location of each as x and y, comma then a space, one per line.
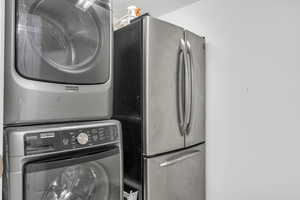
159, 96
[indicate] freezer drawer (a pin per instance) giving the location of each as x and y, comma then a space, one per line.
176, 176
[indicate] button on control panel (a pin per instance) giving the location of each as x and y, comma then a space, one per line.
82, 138
37, 143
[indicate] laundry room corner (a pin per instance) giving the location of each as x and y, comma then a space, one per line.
149, 100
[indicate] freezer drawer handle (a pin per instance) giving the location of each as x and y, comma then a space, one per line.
180, 158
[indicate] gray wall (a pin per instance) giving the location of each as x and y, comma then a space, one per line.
253, 100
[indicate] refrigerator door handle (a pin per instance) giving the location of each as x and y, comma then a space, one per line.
180, 158
180, 87
189, 86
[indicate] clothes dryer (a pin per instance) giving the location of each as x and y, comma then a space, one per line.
58, 61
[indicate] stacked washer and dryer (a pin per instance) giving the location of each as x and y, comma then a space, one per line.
60, 143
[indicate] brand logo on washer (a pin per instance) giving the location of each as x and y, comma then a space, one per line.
72, 88
47, 135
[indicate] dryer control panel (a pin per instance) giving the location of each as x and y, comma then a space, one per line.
60, 140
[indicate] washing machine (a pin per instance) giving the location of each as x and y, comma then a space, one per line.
80, 161
58, 62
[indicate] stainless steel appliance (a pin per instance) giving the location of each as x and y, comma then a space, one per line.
58, 61
159, 97
80, 161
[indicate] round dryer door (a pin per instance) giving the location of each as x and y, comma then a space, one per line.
64, 41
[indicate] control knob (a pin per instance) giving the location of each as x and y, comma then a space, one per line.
82, 138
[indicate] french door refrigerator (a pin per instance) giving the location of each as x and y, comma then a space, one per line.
159, 96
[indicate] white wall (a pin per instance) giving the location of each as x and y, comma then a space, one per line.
253, 111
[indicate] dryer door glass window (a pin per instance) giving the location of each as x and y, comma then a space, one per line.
84, 178
64, 41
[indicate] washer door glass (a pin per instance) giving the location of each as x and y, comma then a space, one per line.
75, 179
64, 41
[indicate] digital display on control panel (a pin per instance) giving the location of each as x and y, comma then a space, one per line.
36, 143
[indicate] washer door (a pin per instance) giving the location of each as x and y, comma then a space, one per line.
64, 41
92, 177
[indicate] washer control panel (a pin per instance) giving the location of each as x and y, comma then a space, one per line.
46, 142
